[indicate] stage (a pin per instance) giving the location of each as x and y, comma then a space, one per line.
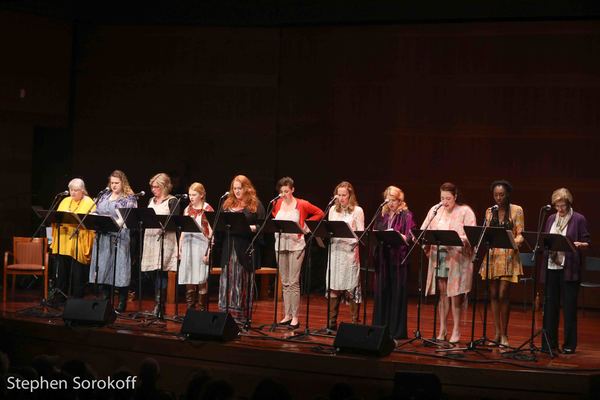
309, 365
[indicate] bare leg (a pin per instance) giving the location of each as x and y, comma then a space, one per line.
494, 283
456, 310
442, 307
504, 300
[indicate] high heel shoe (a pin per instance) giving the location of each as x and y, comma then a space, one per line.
295, 326
455, 339
288, 322
442, 337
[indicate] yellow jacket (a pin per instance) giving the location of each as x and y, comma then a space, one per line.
80, 246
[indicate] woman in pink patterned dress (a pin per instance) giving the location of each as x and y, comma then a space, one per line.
453, 278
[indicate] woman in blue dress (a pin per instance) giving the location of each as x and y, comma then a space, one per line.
103, 260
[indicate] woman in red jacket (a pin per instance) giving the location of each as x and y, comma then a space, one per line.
290, 249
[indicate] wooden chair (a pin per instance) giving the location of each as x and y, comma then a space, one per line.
30, 257
592, 265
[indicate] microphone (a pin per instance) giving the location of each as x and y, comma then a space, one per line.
547, 207
332, 200
104, 191
438, 206
276, 198
384, 202
181, 196
225, 195
65, 193
140, 194
494, 207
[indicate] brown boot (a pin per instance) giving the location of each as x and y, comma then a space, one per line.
190, 296
334, 309
354, 311
202, 301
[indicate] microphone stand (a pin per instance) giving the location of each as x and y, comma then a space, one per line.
419, 239
209, 252
53, 205
308, 245
250, 251
542, 331
161, 237
472, 346
367, 229
96, 200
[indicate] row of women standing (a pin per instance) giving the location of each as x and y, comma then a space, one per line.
452, 279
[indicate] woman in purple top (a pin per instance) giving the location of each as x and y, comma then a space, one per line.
390, 273
563, 274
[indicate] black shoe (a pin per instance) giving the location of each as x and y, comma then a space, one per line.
568, 350
288, 322
295, 326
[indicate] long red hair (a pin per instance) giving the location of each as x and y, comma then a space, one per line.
249, 199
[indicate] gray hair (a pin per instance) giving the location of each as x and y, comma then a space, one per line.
77, 183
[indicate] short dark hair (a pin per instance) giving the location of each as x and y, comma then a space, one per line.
285, 181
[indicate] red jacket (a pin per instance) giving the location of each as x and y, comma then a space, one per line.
306, 210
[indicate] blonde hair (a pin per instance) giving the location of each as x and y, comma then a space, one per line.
198, 188
249, 198
352, 202
396, 192
162, 180
77, 183
127, 191
562, 194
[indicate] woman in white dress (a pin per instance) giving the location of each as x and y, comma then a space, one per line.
345, 260
159, 252
193, 267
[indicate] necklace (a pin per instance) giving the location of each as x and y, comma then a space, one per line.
71, 204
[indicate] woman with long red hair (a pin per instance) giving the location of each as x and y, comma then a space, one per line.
238, 265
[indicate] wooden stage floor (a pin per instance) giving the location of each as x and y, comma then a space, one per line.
309, 366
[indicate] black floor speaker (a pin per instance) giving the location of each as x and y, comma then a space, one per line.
206, 325
364, 339
88, 312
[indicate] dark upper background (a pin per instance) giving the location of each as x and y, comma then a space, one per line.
378, 93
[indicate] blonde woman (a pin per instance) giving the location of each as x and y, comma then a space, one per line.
193, 267
390, 274
119, 196
159, 252
345, 261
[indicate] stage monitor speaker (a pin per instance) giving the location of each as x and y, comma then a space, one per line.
207, 325
88, 312
364, 339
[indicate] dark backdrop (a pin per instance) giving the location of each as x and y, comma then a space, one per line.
407, 104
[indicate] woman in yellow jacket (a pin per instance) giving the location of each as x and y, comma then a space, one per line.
73, 250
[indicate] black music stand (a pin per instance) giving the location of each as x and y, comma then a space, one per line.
486, 238
317, 233
438, 238
338, 230
182, 223
59, 218
548, 242
233, 223
140, 219
105, 225
279, 226
64, 218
